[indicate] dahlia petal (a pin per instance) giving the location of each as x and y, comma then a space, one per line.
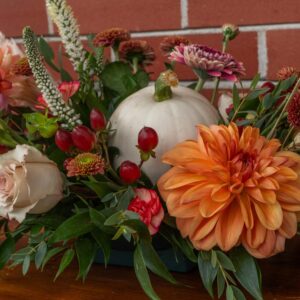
246, 210
209, 208
285, 174
196, 193
181, 179
289, 193
268, 183
269, 171
182, 210
255, 236
205, 227
229, 227
270, 215
270, 149
207, 243
256, 194
220, 193
289, 225
184, 226
269, 196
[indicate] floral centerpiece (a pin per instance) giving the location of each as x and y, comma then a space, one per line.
104, 156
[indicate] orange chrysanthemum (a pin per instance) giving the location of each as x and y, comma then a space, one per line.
226, 189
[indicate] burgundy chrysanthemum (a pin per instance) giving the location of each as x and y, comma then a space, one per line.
294, 111
137, 49
213, 62
84, 164
111, 37
170, 42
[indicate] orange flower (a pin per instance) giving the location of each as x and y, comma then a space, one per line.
226, 189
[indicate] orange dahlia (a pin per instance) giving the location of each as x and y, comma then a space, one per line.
228, 189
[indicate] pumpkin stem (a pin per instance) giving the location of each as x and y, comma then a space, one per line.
163, 85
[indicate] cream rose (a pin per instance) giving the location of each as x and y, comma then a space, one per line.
29, 183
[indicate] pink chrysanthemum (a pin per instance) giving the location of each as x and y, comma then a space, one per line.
294, 111
111, 37
170, 42
213, 62
84, 164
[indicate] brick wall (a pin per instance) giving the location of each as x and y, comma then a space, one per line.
269, 39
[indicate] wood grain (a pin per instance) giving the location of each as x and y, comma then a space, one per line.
281, 280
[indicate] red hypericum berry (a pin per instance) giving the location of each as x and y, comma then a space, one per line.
97, 120
63, 140
129, 172
147, 139
83, 138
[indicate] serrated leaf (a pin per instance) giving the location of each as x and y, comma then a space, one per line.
207, 272
229, 293
75, 226
246, 271
154, 263
104, 242
6, 249
238, 294
225, 261
50, 254
65, 262
40, 254
86, 251
26, 265
142, 274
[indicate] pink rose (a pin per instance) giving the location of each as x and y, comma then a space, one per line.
29, 183
147, 204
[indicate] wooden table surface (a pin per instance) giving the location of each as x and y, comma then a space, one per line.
281, 280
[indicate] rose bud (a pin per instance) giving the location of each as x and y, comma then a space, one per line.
147, 204
83, 138
97, 120
129, 172
147, 139
63, 140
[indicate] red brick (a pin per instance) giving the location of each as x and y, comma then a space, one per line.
243, 48
283, 50
216, 12
16, 14
96, 15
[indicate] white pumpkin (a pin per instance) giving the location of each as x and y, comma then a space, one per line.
174, 120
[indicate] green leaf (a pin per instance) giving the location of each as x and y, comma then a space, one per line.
225, 261
104, 242
6, 249
238, 294
229, 293
65, 262
269, 100
100, 188
287, 83
115, 219
254, 94
154, 263
246, 271
50, 254
86, 251
255, 81
142, 274
126, 198
45, 49
142, 78
235, 97
26, 265
139, 227
207, 272
116, 76
40, 254
220, 283
213, 258
97, 217
75, 226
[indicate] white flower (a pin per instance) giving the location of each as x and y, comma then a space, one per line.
29, 183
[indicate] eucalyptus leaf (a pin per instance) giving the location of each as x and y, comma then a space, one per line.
142, 274
100, 188
65, 262
220, 283
51, 253
246, 271
40, 254
26, 265
229, 293
6, 249
225, 261
238, 294
103, 242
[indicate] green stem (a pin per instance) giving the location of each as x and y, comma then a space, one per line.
287, 101
225, 43
135, 64
212, 101
116, 52
287, 137
200, 84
